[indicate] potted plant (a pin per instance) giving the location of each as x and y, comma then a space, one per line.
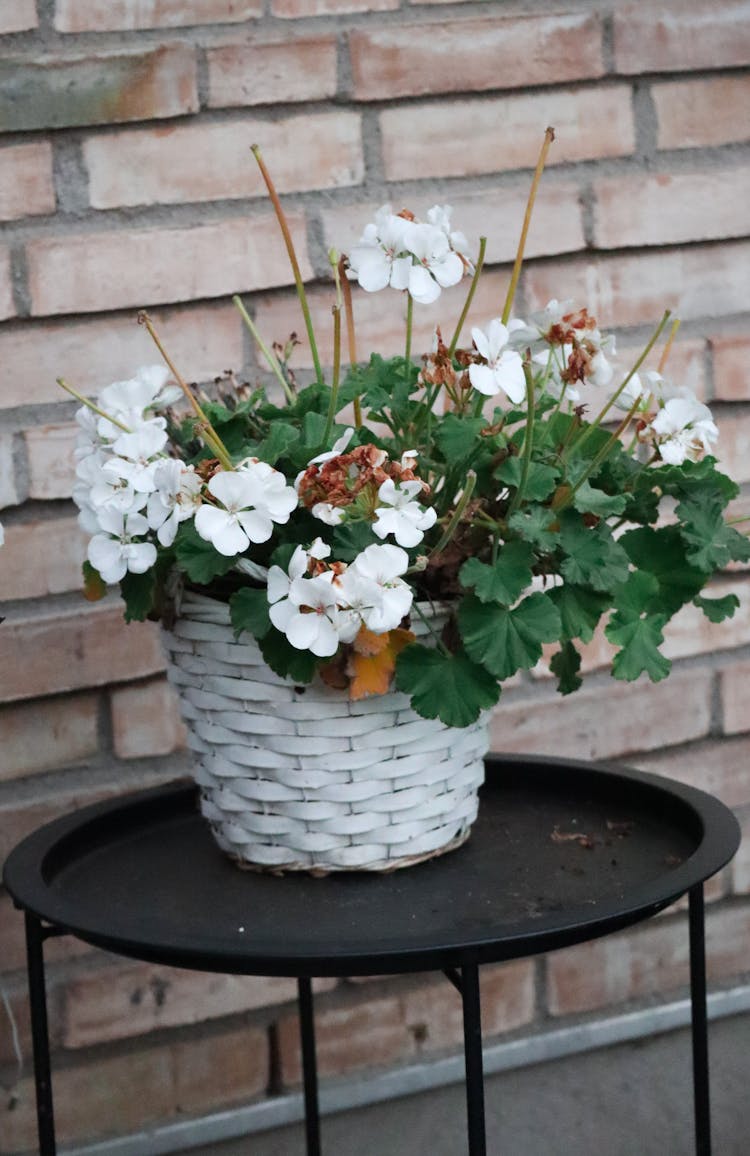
348, 576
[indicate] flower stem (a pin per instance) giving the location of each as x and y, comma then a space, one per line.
458, 513
668, 346
469, 296
346, 291
284, 226
439, 644
602, 454
549, 136
409, 325
207, 432
90, 405
267, 353
528, 440
333, 257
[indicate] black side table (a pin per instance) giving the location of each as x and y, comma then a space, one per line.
563, 852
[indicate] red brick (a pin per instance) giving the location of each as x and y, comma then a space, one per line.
146, 720
50, 450
496, 213
53, 732
733, 449
691, 633
708, 281
682, 39
502, 134
55, 651
202, 341
648, 961
7, 307
700, 112
126, 1093
366, 1035
297, 9
686, 364
276, 73
13, 939
378, 318
18, 17
26, 187
58, 91
731, 356
554, 49
609, 719
12, 488
669, 208
719, 766
734, 686
130, 999
157, 166
741, 863
123, 15
95, 271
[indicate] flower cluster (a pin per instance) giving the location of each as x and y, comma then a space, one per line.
525, 481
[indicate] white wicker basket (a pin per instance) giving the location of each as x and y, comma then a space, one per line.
301, 779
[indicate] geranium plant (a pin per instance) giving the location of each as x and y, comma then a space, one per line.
523, 484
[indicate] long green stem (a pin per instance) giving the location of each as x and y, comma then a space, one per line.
267, 353
346, 291
668, 346
336, 349
549, 136
90, 405
471, 481
469, 296
285, 232
206, 432
528, 441
409, 325
602, 453
606, 408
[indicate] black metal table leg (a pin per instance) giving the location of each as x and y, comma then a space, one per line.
309, 1066
699, 1022
40, 1035
473, 1060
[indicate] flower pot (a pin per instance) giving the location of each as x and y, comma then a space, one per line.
300, 778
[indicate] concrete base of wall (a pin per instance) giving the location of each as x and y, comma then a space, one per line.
632, 1099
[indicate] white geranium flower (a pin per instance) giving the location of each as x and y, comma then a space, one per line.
132, 402
136, 456
252, 498
175, 498
328, 513
311, 618
373, 586
118, 549
440, 217
504, 368
280, 580
646, 388
436, 266
400, 515
338, 447
379, 258
683, 429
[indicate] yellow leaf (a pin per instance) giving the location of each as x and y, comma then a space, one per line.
372, 673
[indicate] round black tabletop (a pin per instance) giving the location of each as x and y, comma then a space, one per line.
562, 851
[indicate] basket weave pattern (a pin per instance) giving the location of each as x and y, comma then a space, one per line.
300, 778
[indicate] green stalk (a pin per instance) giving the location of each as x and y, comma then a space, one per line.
90, 405
603, 452
528, 440
333, 257
471, 481
409, 325
469, 296
267, 353
598, 420
549, 136
281, 218
207, 433
346, 290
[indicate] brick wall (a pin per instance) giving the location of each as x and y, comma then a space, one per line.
126, 181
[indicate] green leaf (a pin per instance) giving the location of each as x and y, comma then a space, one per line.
313, 430
446, 686
350, 539
456, 437
580, 609
565, 664
588, 500
534, 525
593, 557
717, 609
711, 544
638, 633
281, 438
662, 553
508, 640
248, 610
198, 558
505, 580
138, 594
697, 478
540, 482
285, 660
